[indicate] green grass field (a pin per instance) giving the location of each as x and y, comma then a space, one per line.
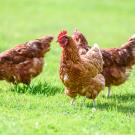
42, 108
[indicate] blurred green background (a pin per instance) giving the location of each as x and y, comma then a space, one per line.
107, 22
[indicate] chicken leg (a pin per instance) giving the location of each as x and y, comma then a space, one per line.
94, 105
72, 101
109, 91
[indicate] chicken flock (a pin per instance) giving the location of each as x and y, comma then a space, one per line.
84, 70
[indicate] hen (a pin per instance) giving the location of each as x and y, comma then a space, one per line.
25, 61
80, 74
81, 41
118, 62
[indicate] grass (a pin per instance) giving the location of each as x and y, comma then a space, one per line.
42, 107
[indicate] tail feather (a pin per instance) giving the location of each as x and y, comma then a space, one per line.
95, 54
96, 49
127, 53
132, 42
96, 45
132, 37
133, 51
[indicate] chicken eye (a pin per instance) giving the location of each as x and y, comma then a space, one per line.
64, 41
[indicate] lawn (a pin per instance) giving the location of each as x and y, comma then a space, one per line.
42, 108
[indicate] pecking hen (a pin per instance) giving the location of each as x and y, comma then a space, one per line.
25, 61
80, 73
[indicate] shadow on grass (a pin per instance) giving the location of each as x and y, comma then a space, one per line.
39, 88
115, 106
123, 98
120, 103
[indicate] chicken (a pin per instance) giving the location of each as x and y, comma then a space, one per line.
80, 74
82, 43
25, 61
118, 62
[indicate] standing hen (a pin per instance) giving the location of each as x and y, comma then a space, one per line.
25, 61
80, 74
118, 62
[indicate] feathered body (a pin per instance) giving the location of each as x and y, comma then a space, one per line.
118, 62
25, 61
80, 74
81, 41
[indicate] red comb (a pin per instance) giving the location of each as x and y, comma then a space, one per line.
63, 33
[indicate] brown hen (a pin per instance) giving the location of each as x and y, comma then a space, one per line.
25, 61
118, 62
80, 74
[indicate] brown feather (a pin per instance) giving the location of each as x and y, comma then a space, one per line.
80, 74
25, 61
118, 62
